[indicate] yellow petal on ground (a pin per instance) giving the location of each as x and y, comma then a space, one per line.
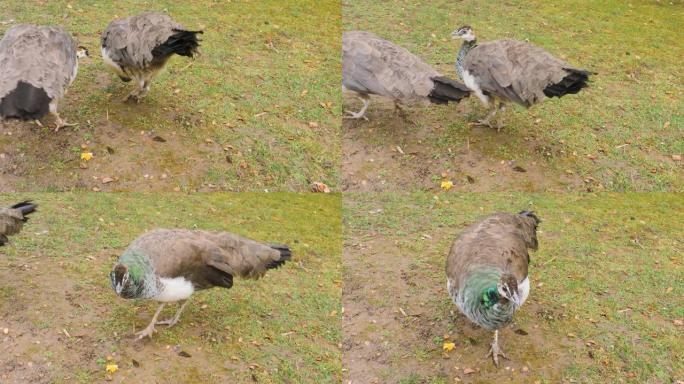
447, 184
86, 156
447, 347
111, 368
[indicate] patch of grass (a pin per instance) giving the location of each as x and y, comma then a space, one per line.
622, 131
606, 283
282, 328
266, 70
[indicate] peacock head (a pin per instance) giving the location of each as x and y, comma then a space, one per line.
120, 278
507, 287
465, 32
82, 52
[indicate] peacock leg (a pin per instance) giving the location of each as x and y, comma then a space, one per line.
150, 328
171, 322
59, 123
495, 351
145, 88
500, 124
361, 113
487, 120
137, 93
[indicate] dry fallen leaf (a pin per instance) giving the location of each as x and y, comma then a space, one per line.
86, 156
111, 368
468, 371
677, 157
447, 347
320, 187
446, 185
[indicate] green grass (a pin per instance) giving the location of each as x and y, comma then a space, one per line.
609, 265
285, 326
622, 131
266, 70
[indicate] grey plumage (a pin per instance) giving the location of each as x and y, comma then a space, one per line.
374, 66
514, 71
138, 47
37, 63
168, 265
12, 219
487, 269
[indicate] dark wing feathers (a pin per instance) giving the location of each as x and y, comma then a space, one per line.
500, 240
208, 258
371, 65
42, 56
521, 72
12, 219
147, 40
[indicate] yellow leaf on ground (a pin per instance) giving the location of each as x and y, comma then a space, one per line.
447, 184
111, 368
86, 156
448, 347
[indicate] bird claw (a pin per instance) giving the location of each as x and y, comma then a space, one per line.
354, 115
147, 332
168, 322
132, 98
495, 352
484, 123
62, 124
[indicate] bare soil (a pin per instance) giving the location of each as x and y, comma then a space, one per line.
50, 312
395, 151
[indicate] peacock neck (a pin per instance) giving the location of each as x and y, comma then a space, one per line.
462, 53
144, 283
480, 301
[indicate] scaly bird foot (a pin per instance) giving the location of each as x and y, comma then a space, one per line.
495, 352
133, 97
62, 123
168, 322
147, 332
355, 115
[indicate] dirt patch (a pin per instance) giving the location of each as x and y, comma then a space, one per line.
393, 152
397, 315
123, 159
54, 331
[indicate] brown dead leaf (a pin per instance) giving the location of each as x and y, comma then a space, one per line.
518, 168
468, 371
320, 187
159, 139
678, 322
677, 157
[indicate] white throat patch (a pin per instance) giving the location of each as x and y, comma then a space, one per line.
471, 83
175, 289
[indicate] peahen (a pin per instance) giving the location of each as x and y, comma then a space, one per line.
37, 64
513, 71
168, 265
487, 270
375, 66
138, 47
12, 219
